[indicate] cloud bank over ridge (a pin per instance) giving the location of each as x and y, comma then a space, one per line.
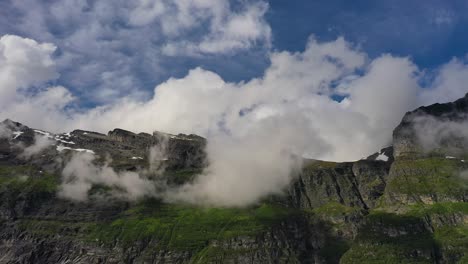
257, 130
295, 86
88, 64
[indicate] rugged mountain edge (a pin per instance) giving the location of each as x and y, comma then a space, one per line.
403, 204
408, 144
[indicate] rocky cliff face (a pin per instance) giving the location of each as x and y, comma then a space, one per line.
408, 136
403, 204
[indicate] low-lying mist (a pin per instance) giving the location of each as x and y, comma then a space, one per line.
80, 174
442, 134
243, 169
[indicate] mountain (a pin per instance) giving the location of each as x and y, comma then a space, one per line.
406, 203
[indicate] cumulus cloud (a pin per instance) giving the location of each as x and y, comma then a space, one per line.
228, 32
296, 85
80, 174
449, 83
23, 63
258, 130
113, 48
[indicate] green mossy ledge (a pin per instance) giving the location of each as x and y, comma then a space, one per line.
409, 208
413, 229
186, 227
427, 180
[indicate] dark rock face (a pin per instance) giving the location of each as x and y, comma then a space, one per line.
403, 204
405, 136
353, 184
125, 149
385, 154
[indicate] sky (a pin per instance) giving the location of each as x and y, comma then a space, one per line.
340, 74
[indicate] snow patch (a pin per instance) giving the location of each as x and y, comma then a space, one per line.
59, 138
47, 134
135, 158
17, 134
181, 138
85, 150
449, 157
382, 157
60, 148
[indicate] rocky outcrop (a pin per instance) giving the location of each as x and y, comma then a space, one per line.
405, 203
124, 150
408, 136
353, 184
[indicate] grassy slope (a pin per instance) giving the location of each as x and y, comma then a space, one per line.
416, 232
188, 228
430, 176
169, 226
17, 179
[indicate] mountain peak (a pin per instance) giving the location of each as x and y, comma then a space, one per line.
428, 129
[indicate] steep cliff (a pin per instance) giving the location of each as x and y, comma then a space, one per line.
403, 204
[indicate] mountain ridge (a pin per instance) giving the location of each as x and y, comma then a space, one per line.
404, 203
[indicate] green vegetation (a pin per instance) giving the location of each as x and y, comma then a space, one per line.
188, 227
444, 208
334, 249
391, 220
27, 179
430, 176
318, 164
391, 238
55, 227
371, 253
453, 243
453, 239
415, 233
332, 209
217, 254
179, 177
406, 238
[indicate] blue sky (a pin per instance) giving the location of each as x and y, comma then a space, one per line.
259, 79
233, 69
430, 32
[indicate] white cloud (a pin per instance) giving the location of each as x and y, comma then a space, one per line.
256, 128
5, 132
438, 134
449, 83
40, 143
23, 63
229, 31
133, 39
245, 168
146, 11
383, 94
80, 174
